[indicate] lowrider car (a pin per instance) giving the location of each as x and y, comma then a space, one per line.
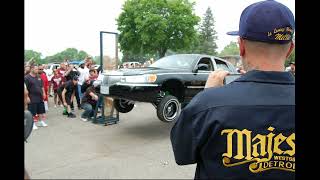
169, 83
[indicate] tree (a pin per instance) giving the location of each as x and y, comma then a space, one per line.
51, 59
69, 53
28, 54
207, 35
96, 59
81, 55
230, 49
130, 56
192, 49
154, 26
291, 58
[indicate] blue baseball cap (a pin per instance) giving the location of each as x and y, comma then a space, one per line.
266, 21
82, 62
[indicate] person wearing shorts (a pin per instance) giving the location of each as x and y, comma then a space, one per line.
37, 94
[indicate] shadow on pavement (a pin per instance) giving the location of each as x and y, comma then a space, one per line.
149, 129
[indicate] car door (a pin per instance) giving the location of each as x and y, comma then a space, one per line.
220, 64
198, 79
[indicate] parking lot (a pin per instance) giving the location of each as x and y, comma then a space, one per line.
137, 147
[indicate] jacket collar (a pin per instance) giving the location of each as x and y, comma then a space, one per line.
275, 77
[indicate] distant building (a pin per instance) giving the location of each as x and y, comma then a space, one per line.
233, 59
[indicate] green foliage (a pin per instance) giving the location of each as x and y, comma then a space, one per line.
29, 54
192, 49
230, 49
207, 35
205, 39
96, 59
81, 55
154, 26
129, 57
69, 53
291, 58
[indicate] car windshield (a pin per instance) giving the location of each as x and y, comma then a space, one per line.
175, 62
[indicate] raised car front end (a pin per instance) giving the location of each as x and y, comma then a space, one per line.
141, 87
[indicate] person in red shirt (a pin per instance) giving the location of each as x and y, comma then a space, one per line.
56, 81
62, 70
44, 78
45, 81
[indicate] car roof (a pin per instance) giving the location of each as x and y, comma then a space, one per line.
201, 55
131, 62
205, 55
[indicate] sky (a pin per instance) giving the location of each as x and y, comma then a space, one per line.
52, 26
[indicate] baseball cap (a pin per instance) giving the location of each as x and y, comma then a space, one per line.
82, 62
266, 21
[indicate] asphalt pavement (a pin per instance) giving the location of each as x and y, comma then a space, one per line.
138, 147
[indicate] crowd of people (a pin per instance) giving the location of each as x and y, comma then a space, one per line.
135, 65
69, 84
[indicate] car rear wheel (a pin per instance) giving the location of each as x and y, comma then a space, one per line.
123, 106
168, 109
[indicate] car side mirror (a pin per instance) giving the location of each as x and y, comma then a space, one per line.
202, 67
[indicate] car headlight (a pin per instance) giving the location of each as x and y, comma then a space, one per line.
151, 78
146, 78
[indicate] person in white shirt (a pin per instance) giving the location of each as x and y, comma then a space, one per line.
84, 75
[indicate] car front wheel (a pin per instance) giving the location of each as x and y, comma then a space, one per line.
123, 106
168, 109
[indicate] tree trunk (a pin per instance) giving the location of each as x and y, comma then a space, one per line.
162, 52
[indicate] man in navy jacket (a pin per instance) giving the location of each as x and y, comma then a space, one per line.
245, 129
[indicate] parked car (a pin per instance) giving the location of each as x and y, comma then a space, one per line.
169, 83
131, 64
50, 68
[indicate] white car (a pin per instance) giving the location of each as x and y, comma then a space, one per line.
49, 70
135, 64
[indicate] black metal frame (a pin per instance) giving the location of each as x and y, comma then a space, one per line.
109, 120
101, 46
103, 119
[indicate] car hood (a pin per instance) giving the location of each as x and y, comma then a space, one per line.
141, 71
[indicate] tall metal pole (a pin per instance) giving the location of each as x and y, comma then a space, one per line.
101, 50
117, 59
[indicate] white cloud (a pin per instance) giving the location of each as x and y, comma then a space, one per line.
54, 25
